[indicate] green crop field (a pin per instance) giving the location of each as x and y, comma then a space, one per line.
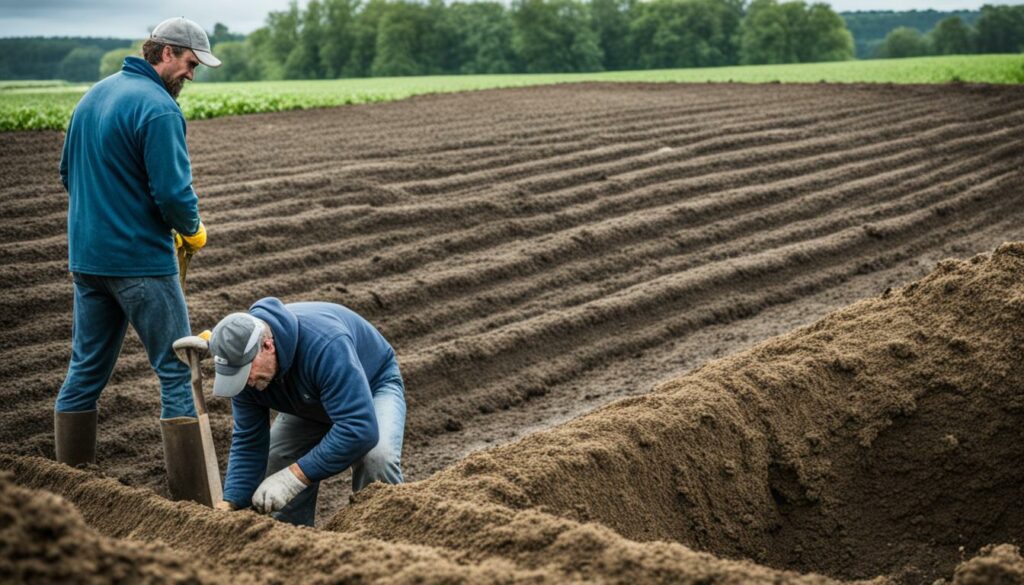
28, 105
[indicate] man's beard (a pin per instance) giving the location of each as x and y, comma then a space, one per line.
174, 86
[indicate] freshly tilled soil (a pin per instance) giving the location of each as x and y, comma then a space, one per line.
534, 254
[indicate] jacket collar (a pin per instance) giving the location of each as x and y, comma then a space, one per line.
139, 66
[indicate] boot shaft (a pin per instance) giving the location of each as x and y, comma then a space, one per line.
75, 437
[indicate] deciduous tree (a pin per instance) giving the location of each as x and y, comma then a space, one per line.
951, 37
554, 36
81, 64
1001, 29
903, 42
610, 20
792, 32
112, 60
684, 33
481, 38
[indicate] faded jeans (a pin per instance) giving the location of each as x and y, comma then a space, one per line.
291, 437
104, 306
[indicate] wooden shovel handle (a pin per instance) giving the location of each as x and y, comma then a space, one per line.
197, 382
184, 258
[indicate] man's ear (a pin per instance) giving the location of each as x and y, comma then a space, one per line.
167, 55
268, 344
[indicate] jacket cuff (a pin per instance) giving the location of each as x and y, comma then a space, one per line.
312, 471
238, 499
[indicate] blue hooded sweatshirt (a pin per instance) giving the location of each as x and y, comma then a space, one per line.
126, 168
328, 359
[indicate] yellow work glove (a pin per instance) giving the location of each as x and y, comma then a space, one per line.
205, 335
192, 243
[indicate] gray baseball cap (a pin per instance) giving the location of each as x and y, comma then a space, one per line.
182, 32
234, 344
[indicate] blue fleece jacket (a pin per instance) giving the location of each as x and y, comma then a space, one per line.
126, 168
328, 359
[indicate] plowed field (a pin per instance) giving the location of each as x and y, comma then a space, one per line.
533, 254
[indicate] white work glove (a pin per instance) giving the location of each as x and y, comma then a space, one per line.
276, 491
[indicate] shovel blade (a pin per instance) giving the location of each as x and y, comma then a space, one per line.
184, 457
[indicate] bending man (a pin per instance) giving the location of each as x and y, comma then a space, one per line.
335, 383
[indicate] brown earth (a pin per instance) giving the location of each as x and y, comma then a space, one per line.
534, 254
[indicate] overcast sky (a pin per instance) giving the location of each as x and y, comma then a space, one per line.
131, 19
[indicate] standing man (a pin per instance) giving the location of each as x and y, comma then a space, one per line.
126, 168
335, 383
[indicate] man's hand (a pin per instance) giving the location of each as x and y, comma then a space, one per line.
225, 506
277, 490
192, 243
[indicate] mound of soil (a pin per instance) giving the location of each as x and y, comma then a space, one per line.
243, 546
994, 565
882, 440
249, 547
44, 540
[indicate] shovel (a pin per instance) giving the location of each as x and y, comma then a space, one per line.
188, 440
193, 482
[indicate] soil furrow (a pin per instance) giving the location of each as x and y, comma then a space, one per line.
314, 258
560, 337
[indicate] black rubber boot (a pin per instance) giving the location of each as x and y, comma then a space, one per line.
75, 437
183, 456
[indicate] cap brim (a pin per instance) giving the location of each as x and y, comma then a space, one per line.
229, 381
207, 58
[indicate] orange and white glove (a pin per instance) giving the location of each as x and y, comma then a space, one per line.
191, 243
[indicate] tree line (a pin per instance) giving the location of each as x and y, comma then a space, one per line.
998, 29
869, 27
350, 38
363, 38
70, 58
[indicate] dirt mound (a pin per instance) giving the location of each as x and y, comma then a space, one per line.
44, 540
994, 565
251, 547
879, 440
244, 546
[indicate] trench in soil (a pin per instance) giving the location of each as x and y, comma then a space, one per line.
939, 479
940, 482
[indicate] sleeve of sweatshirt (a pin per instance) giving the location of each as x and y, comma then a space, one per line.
250, 445
170, 172
345, 395
64, 153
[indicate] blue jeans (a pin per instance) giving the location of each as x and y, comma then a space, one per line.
104, 306
291, 437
